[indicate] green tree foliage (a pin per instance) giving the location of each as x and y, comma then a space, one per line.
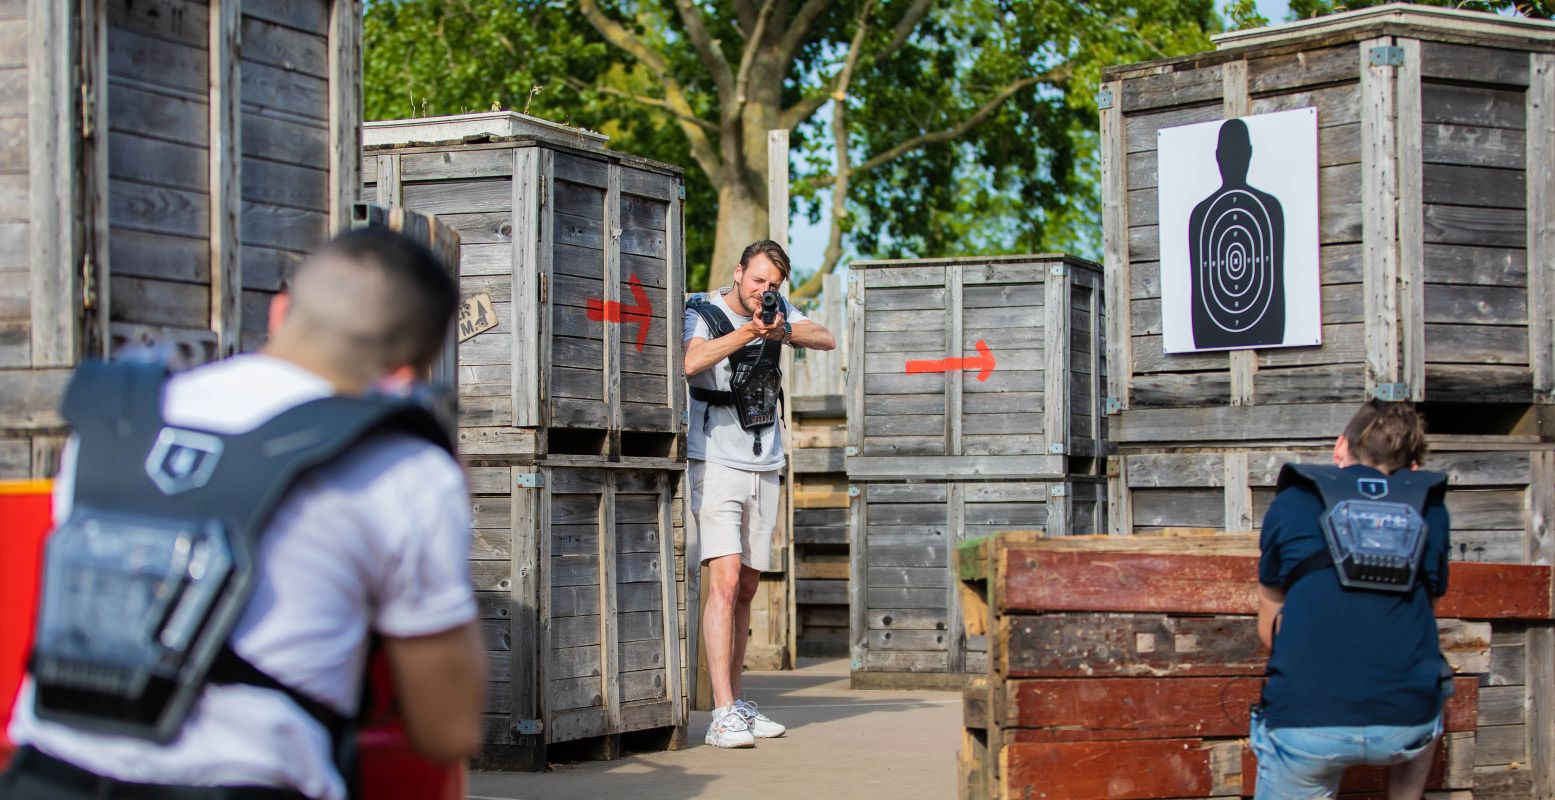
967, 126
1540, 9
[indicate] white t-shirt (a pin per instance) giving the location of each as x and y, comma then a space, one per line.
376, 538
721, 440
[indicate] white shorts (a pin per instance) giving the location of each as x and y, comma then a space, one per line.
736, 512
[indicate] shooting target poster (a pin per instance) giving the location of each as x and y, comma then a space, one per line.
1239, 233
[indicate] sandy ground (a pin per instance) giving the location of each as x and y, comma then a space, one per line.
893, 745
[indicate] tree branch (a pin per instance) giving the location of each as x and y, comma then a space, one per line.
839, 128
652, 102
795, 115
799, 26
745, 12
616, 34
953, 132
707, 50
752, 45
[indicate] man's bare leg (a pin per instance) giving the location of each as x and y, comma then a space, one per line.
750, 581
723, 578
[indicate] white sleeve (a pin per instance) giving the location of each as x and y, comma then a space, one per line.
426, 589
793, 314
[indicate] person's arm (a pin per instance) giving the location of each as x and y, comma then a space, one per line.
440, 682
812, 336
1271, 600
702, 354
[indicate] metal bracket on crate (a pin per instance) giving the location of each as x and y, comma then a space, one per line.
1056, 448
685, 417
1058, 270
1058, 490
1112, 406
853, 491
528, 727
1392, 392
1104, 99
1385, 56
850, 451
528, 480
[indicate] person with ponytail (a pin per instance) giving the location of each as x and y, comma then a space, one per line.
1353, 557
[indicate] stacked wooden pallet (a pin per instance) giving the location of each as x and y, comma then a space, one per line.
1123, 669
570, 395
142, 218
819, 492
973, 406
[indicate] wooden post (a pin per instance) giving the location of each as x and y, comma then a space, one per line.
955, 344
1411, 219
1541, 224
531, 268
609, 633
1540, 643
858, 563
1379, 231
612, 295
1239, 495
955, 495
1120, 504
673, 682
226, 157
1236, 102
1057, 369
528, 606
345, 110
777, 186
1114, 215
54, 81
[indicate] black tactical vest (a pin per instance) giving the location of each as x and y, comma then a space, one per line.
145, 580
756, 380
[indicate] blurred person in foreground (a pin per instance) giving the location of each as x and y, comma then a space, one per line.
734, 339
1354, 556
358, 528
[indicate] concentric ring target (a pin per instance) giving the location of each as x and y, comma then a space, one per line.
1236, 269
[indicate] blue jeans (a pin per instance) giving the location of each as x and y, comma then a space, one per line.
1307, 763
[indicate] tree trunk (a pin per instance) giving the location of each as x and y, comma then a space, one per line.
742, 219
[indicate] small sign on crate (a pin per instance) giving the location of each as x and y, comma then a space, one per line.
476, 316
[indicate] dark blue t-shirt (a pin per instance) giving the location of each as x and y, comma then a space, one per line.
1349, 657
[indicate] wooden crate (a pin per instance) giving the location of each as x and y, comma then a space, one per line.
818, 494
570, 242
1036, 413
584, 622
1501, 499
1436, 135
1123, 668
168, 208
903, 601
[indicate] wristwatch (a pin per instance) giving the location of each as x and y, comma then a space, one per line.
788, 331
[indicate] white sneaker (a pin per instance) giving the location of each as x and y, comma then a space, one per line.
760, 726
728, 729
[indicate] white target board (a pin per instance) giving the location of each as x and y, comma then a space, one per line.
1239, 233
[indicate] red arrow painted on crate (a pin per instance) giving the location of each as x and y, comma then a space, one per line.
612, 311
984, 363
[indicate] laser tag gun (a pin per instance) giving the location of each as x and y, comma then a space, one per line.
1374, 527
145, 580
771, 301
756, 377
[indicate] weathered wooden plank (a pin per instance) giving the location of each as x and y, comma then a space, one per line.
1472, 105
1541, 238
1115, 770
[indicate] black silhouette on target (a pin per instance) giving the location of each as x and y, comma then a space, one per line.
1236, 255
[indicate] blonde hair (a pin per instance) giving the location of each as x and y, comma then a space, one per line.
1389, 436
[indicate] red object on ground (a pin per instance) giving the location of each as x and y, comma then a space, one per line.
26, 515
391, 770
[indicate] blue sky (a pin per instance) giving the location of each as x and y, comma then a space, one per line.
807, 242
